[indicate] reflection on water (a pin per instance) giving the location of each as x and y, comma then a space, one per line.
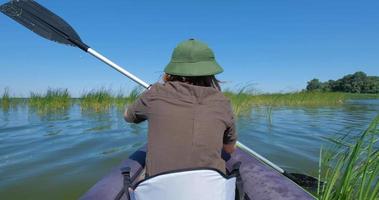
293, 136
97, 121
60, 155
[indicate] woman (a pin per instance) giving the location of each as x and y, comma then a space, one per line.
189, 119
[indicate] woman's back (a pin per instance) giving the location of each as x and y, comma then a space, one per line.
190, 120
187, 125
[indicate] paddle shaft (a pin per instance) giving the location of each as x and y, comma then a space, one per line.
117, 67
260, 157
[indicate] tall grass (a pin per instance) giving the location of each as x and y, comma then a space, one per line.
240, 101
5, 100
300, 99
352, 172
97, 100
121, 100
244, 101
54, 100
134, 94
362, 96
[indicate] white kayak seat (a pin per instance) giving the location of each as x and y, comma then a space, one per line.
199, 184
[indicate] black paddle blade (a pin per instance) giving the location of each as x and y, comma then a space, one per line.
42, 21
306, 181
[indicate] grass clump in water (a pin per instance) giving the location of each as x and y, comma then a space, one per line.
352, 173
54, 100
241, 101
134, 95
97, 100
244, 100
122, 100
300, 99
5, 100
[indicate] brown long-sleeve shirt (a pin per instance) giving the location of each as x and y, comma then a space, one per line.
187, 124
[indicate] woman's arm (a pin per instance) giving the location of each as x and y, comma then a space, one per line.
230, 134
137, 112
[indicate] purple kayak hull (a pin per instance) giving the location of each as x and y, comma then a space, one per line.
260, 181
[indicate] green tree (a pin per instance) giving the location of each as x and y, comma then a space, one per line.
371, 85
358, 82
353, 83
328, 86
314, 84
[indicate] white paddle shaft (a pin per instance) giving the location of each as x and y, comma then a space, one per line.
257, 155
117, 67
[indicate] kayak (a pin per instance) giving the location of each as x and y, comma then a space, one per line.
260, 182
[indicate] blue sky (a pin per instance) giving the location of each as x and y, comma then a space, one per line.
275, 45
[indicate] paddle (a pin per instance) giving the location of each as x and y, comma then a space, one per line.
50, 26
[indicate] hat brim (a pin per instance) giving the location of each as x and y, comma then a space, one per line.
203, 68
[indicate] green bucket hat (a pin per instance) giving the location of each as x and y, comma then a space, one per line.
193, 58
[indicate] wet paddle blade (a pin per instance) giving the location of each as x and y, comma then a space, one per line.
305, 181
42, 22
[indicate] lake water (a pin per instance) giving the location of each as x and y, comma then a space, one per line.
60, 156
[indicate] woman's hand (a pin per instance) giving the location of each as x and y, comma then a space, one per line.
229, 148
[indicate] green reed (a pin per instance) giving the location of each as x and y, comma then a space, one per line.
240, 101
121, 100
352, 172
134, 94
97, 100
243, 101
363, 96
300, 99
5, 100
54, 100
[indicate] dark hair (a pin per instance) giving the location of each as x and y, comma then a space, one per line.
205, 81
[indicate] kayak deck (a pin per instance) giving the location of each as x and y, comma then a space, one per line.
260, 182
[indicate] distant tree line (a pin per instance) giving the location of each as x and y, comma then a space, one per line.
358, 82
